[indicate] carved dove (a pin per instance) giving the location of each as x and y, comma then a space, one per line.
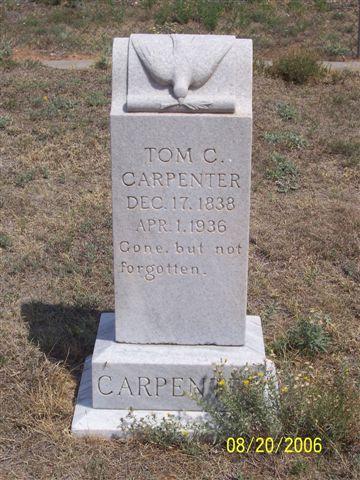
188, 64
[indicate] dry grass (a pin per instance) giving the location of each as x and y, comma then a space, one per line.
56, 262
87, 27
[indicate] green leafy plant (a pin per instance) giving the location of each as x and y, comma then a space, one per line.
252, 402
287, 138
208, 12
163, 14
4, 121
336, 50
181, 11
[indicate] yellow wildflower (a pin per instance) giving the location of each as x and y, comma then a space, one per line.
246, 382
284, 389
221, 382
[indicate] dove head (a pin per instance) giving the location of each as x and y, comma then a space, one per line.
181, 87
180, 91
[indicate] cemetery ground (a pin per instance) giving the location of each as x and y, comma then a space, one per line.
73, 27
56, 248
56, 267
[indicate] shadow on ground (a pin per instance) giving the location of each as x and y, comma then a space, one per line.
64, 333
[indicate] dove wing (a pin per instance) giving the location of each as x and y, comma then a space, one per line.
159, 66
206, 62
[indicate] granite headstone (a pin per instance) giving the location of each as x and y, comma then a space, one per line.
181, 126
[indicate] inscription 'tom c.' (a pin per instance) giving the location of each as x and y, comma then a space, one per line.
177, 155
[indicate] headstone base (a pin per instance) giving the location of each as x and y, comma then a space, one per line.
153, 380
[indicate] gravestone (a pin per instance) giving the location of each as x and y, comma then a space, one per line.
181, 125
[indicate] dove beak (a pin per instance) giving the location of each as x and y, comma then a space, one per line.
180, 89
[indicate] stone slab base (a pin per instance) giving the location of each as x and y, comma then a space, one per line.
112, 423
153, 380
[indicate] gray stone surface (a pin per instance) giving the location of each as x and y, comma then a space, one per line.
111, 423
163, 377
190, 73
82, 64
181, 186
352, 66
108, 415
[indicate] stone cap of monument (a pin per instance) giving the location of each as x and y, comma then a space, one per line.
182, 74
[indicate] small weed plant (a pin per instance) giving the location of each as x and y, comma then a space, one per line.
308, 336
102, 63
324, 407
5, 51
286, 111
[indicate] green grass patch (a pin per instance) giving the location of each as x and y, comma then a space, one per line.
24, 178
5, 241
336, 50
284, 173
96, 99
205, 12
298, 67
347, 148
5, 51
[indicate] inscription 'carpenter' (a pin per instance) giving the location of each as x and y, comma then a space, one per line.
181, 179
154, 386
